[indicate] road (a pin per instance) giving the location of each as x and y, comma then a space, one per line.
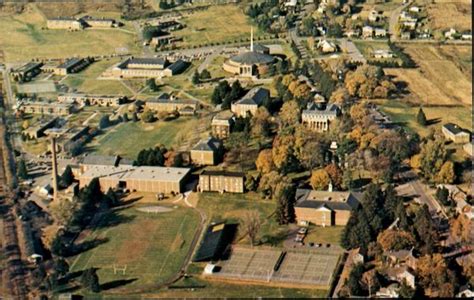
393, 20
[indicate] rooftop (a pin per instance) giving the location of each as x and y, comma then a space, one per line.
222, 173
70, 62
254, 97
253, 58
124, 172
105, 160
331, 200
210, 144
453, 128
314, 108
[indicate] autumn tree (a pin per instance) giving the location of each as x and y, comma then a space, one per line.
395, 240
285, 197
461, 227
283, 152
446, 173
335, 174
261, 123
434, 274
320, 179
290, 113
264, 162
309, 148
433, 154
268, 183
252, 224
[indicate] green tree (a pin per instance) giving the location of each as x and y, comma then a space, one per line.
285, 197
67, 177
421, 117
61, 267
205, 75
442, 194
151, 83
196, 78
148, 116
104, 122
353, 281
22, 170
90, 280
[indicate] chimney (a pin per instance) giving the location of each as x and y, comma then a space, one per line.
330, 187
55, 168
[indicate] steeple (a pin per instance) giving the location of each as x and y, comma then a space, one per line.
251, 39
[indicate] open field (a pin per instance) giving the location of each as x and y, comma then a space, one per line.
127, 139
367, 48
437, 81
455, 14
87, 82
405, 114
151, 246
324, 235
23, 38
216, 24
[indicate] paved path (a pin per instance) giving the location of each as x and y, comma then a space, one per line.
393, 20
351, 50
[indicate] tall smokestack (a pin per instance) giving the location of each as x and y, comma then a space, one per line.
55, 168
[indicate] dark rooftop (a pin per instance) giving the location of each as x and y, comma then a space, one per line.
210, 144
253, 58
70, 63
222, 173
455, 129
213, 243
332, 200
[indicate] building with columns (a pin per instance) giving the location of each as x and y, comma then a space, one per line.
318, 116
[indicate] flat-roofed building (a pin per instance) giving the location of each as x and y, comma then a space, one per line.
71, 138
207, 152
98, 100
137, 178
98, 22
29, 69
318, 116
456, 134
65, 23
169, 104
70, 65
45, 108
250, 102
221, 181
38, 131
221, 124
324, 208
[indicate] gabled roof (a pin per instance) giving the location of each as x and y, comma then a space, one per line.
330, 110
454, 129
254, 97
324, 199
210, 144
223, 173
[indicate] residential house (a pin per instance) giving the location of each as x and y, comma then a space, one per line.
65, 23
415, 9
466, 36
456, 134
352, 33
410, 25
450, 34
326, 46
401, 257
249, 103
382, 53
318, 116
324, 208
207, 152
221, 181
406, 35
367, 32
221, 125
391, 291
380, 32
465, 292
402, 274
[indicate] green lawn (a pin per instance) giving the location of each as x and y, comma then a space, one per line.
24, 38
127, 139
324, 235
368, 47
87, 82
151, 246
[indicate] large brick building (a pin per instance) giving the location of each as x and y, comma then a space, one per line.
207, 152
169, 104
250, 102
221, 181
324, 208
221, 124
146, 68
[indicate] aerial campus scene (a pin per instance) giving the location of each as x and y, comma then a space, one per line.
236, 149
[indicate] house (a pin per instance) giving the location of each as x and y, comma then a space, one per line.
380, 32
466, 36
207, 152
382, 53
406, 35
318, 116
450, 34
326, 46
401, 274
221, 181
249, 103
169, 103
390, 291
465, 292
352, 33
136, 178
406, 17
70, 65
139, 67
401, 257
410, 25
45, 108
324, 208
468, 147
460, 198
175, 68
415, 9
221, 124
97, 100
367, 32
456, 134
375, 15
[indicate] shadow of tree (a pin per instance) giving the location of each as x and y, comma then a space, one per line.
433, 121
111, 219
86, 245
116, 283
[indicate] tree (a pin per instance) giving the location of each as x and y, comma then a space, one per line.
196, 78
421, 117
290, 113
433, 154
435, 275
61, 267
461, 227
335, 174
353, 281
261, 123
22, 170
104, 122
446, 174
148, 116
205, 75
268, 183
283, 152
320, 179
90, 280
285, 196
442, 194
220, 92
67, 177
151, 83
251, 222
264, 162
395, 240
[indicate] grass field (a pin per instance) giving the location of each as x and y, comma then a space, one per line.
327, 235
438, 80
23, 38
127, 139
367, 48
152, 246
456, 14
216, 24
87, 82
405, 114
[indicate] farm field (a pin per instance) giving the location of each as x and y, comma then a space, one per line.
151, 246
87, 82
405, 113
437, 81
23, 38
127, 139
456, 14
216, 24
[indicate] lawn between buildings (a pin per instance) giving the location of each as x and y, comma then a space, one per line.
152, 246
23, 38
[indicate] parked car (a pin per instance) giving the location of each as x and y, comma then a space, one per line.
303, 230
299, 239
